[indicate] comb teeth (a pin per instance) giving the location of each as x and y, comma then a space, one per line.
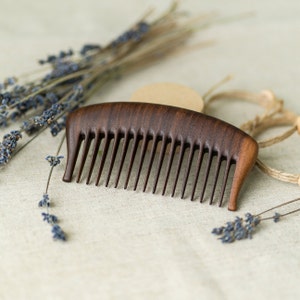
122, 132
169, 165
160, 162
97, 142
123, 155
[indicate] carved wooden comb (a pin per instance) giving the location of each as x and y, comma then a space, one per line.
174, 129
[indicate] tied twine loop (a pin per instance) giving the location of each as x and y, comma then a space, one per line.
298, 127
274, 114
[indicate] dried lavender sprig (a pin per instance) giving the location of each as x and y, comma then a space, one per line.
244, 228
278, 206
8, 145
57, 232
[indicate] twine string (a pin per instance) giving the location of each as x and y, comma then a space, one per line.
274, 114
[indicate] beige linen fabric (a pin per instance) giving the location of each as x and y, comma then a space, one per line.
133, 245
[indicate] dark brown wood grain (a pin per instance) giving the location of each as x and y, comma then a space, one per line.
174, 127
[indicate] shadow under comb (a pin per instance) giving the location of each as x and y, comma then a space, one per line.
175, 129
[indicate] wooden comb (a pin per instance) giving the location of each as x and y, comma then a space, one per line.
175, 129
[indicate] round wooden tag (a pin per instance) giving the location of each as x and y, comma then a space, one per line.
172, 94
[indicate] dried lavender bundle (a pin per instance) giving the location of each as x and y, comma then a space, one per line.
73, 77
45, 202
244, 228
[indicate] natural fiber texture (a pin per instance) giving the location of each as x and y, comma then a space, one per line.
137, 246
274, 115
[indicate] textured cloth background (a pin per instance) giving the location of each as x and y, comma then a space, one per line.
128, 245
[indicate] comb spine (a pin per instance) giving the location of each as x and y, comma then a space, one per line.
244, 163
73, 147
